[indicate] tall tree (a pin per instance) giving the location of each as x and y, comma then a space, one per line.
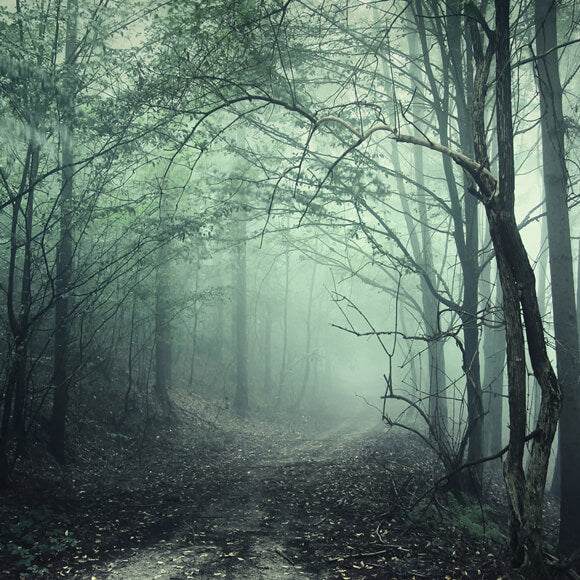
240, 322
525, 490
449, 31
462, 72
62, 322
163, 315
30, 99
561, 268
520, 305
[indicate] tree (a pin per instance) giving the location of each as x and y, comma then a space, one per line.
163, 316
520, 304
45, 74
63, 278
240, 322
494, 351
31, 99
561, 269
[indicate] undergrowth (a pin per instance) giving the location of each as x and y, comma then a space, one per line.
38, 534
441, 513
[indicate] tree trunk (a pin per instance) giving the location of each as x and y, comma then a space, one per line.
163, 339
192, 361
525, 492
435, 348
465, 230
23, 326
240, 323
561, 270
163, 330
422, 254
494, 349
468, 247
282, 378
268, 380
18, 310
62, 321
308, 354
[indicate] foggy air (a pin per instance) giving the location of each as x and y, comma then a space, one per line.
289, 289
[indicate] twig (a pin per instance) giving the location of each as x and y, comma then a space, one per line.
535, 433
369, 554
287, 558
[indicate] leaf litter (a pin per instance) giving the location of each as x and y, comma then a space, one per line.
263, 501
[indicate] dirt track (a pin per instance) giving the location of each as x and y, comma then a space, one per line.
265, 514
257, 500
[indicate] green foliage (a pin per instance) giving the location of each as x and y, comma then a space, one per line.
438, 514
38, 534
475, 521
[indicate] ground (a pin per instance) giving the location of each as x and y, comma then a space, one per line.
249, 499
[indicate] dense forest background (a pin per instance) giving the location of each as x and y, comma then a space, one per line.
276, 205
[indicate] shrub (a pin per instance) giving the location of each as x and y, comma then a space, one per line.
30, 540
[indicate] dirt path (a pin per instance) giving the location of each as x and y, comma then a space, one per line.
265, 514
252, 501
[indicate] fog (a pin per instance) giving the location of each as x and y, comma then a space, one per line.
268, 239
299, 360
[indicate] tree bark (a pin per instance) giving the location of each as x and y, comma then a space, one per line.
494, 349
62, 323
525, 492
468, 251
561, 270
241, 402
163, 331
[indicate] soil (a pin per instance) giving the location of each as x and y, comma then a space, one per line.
250, 500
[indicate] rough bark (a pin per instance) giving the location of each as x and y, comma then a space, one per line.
526, 492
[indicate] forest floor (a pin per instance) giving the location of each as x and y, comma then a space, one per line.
250, 500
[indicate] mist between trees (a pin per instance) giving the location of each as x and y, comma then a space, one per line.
278, 204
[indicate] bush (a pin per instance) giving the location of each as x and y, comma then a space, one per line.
37, 535
437, 513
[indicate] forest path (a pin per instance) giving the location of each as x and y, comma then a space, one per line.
250, 500
268, 512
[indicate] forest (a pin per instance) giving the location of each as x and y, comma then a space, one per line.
289, 289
